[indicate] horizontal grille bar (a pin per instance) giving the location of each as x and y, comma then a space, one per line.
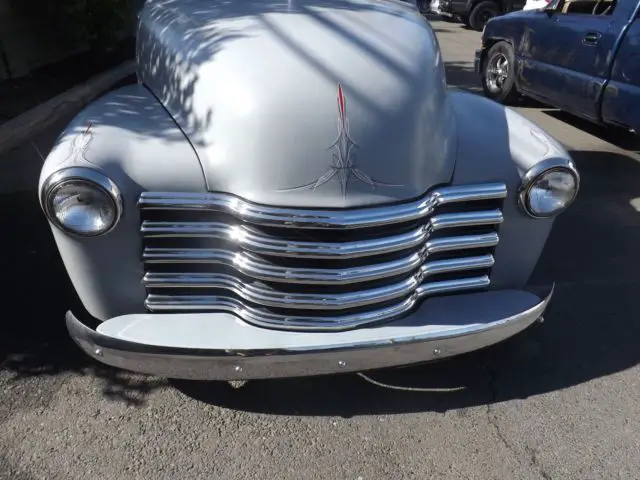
255, 267
265, 295
321, 219
264, 318
269, 245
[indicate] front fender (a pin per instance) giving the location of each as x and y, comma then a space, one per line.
128, 136
496, 143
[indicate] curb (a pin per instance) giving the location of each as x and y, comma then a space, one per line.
27, 125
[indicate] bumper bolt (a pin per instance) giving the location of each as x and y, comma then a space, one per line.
238, 368
342, 363
98, 352
540, 319
436, 351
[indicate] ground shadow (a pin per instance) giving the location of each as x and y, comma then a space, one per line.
462, 75
34, 340
610, 134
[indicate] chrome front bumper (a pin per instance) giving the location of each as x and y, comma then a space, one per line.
218, 346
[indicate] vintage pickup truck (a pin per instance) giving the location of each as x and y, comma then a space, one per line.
290, 189
581, 56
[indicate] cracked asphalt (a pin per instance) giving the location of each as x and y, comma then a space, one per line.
559, 401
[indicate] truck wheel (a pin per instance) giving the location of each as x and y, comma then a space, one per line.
498, 79
482, 13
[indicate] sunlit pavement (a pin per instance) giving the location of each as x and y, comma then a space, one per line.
561, 400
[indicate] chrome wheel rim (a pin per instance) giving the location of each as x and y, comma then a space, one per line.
497, 72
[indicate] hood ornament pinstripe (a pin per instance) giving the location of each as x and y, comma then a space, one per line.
343, 157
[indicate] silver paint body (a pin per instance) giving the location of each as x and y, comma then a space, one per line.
240, 97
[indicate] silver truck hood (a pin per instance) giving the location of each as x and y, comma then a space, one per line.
311, 103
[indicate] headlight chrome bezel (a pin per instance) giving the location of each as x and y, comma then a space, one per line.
94, 179
533, 175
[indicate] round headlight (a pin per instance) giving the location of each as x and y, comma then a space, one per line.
548, 191
82, 201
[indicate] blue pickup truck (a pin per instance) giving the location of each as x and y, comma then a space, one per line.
580, 56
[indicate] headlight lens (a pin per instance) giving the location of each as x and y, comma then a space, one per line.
84, 203
82, 208
549, 192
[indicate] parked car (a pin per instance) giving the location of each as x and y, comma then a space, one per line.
579, 56
476, 13
273, 199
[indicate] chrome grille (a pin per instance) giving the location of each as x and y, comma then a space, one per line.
303, 269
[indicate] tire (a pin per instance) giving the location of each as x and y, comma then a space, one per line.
498, 78
481, 13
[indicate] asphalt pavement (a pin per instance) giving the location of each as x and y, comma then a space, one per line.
559, 401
